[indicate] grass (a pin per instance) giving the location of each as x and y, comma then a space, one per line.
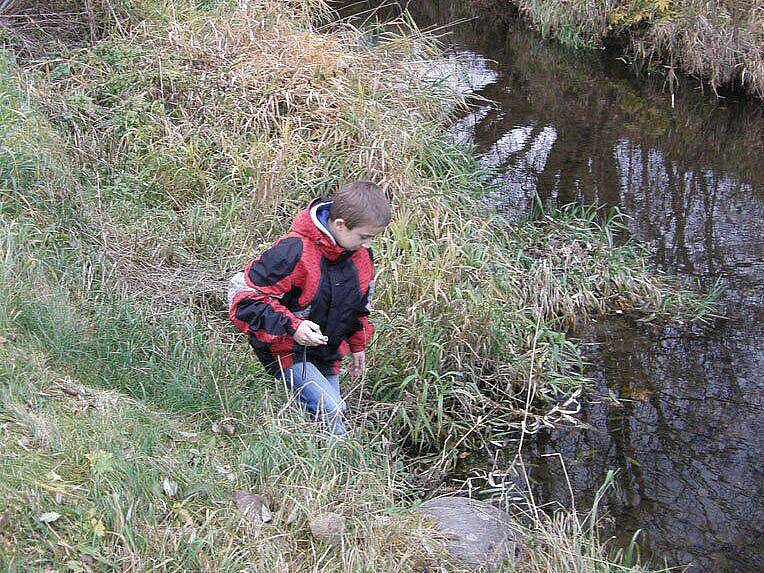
719, 41
100, 461
143, 167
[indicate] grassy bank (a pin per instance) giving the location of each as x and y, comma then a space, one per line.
721, 41
145, 160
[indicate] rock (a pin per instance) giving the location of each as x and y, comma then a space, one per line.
328, 527
255, 507
478, 534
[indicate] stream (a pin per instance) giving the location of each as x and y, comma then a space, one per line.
675, 409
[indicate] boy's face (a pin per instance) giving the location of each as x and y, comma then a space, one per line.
355, 238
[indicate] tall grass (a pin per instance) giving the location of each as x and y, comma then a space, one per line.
190, 166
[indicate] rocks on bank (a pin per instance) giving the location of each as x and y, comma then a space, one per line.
477, 534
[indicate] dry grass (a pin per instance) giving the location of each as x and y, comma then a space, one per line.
107, 483
721, 41
35, 28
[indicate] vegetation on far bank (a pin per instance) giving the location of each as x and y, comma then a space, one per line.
139, 169
721, 41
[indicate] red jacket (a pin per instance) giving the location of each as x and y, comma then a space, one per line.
305, 275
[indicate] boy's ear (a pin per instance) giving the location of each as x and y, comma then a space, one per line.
340, 223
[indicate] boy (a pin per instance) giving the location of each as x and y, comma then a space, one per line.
305, 301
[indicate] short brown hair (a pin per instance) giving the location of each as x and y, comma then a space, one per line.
361, 203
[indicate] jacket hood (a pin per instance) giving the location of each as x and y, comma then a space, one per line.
309, 225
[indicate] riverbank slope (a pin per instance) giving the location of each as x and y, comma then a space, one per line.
721, 41
143, 161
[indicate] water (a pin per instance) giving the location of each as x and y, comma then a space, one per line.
686, 434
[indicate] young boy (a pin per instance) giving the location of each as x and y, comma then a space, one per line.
305, 301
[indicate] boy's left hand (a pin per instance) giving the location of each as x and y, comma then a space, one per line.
357, 363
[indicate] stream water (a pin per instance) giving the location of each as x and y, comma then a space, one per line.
686, 429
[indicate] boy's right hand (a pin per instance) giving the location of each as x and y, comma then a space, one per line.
309, 334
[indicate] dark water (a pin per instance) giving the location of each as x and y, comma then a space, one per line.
687, 434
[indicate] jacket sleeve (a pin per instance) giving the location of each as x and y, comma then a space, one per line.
364, 328
256, 298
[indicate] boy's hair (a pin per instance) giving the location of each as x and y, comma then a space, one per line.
361, 203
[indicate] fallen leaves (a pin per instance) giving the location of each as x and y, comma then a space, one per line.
226, 471
5, 520
226, 427
293, 515
189, 436
63, 388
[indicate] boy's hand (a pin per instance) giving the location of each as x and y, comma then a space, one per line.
309, 334
357, 364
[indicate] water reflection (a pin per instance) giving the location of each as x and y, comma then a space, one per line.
687, 439
688, 434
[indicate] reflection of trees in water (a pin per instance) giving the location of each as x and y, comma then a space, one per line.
697, 221
687, 440
592, 101
689, 445
568, 128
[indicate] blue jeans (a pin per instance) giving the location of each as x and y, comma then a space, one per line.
318, 394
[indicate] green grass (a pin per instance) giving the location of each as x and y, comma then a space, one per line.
139, 172
99, 460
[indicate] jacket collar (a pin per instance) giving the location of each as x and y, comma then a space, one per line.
308, 224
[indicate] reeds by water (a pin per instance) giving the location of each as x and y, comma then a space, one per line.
719, 41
